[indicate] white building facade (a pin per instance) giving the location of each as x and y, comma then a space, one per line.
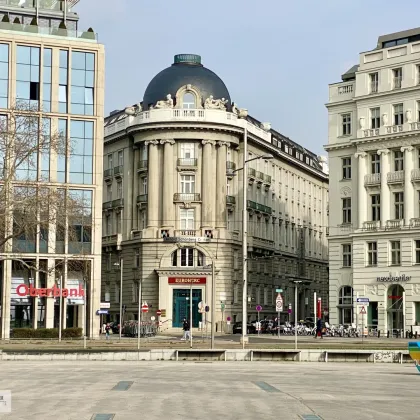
374, 218
173, 203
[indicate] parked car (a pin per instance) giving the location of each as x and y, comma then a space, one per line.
237, 328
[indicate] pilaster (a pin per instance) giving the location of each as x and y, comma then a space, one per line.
168, 216
408, 186
153, 186
361, 192
385, 194
221, 185
207, 185
134, 211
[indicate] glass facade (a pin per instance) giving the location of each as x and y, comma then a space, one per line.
26, 140
63, 82
80, 221
46, 80
4, 75
81, 152
27, 75
82, 82
61, 159
45, 150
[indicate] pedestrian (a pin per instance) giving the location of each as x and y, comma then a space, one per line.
107, 330
318, 328
186, 328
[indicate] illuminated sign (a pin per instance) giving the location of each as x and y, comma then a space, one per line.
186, 280
25, 290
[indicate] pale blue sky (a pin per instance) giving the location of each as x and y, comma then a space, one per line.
276, 57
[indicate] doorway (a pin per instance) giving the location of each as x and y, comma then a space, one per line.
395, 307
373, 315
181, 306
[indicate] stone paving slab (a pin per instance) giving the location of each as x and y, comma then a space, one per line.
229, 390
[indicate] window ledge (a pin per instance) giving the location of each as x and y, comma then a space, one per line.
345, 179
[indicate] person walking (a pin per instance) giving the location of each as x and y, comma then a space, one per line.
107, 331
186, 328
318, 328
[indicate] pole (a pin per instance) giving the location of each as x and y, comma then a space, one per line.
121, 294
60, 306
84, 315
139, 318
191, 317
296, 346
213, 304
278, 324
258, 322
315, 314
363, 330
244, 239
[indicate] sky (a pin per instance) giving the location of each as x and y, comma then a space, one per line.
276, 57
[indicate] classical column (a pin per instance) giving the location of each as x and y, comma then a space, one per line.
152, 184
221, 185
168, 216
207, 185
135, 212
408, 186
385, 195
361, 192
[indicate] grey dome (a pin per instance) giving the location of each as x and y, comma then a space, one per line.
187, 69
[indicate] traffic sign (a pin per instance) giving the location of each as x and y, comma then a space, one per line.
228, 319
362, 301
152, 318
145, 308
279, 303
363, 311
102, 312
259, 308
158, 312
105, 305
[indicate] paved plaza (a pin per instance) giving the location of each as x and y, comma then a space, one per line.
214, 390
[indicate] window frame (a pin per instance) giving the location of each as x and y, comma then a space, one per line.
376, 207
346, 120
399, 205
398, 113
395, 253
374, 82
375, 118
346, 251
346, 167
346, 210
372, 253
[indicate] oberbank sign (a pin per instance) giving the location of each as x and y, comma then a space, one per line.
25, 290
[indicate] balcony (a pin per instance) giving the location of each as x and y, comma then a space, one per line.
118, 203
179, 233
230, 168
142, 200
230, 202
183, 197
259, 207
107, 205
343, 91
395, 224
415, 126
267, 179
142, 166
108, 175
187, 164
251, 175
110, 240
118, 171
372, 179
394, 129
259, 177
372, 132
415, 222
415, 175
372, 225
396, 177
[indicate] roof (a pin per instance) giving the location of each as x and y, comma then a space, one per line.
397, 35
350, 74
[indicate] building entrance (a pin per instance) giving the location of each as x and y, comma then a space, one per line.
395, 307
181, 306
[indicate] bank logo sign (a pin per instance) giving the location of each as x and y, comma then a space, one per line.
396, 279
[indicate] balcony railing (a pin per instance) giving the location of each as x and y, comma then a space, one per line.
415, 175
108, 173
415, 222
267, 179
259, 175
142, 165
251, 172
251, 205
342, 90
142, 198
107, 205
395, 177
372, 179
185, 232
259, 207
394, 224
230, 199
118, 170
119, 202
186, 197
187, 162
230, 166
372, 225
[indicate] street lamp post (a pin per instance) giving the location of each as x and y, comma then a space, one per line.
120, 264
60, 306
139, 317
297, 282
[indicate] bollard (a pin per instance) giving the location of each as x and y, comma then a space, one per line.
379, 333
387, 335
415, 335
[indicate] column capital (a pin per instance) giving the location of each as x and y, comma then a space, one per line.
211, 142
151, 142
223, 143
383, 152
407, 149
168, 141
360, 155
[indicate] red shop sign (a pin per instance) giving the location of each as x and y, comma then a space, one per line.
187, 280
24, 290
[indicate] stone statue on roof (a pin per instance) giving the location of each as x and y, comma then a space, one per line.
211, 103
168, 103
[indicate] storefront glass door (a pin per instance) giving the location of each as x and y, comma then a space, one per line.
181, 306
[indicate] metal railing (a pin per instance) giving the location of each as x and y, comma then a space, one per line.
372, 179
230, 199
187, 162
118, 170
395, 177
251, 172
119, 202
230, 166
107, 205
259, 175
374, 87
397, 82
142, 165
142, 198
259, 207
108, 173
267, 179
187, 197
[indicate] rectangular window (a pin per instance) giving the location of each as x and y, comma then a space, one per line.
118, 222
120, 158
372, 253
26, 167
187, 150
188, 184
346, 124
4, 75
399, 205
397, 78
346, 203
27, 76
187, 257
187, 218
46, 80
135, 291
398, 114
79, 208
144, 184
417, 250
398, 160
81, 153
374, 81
82, 82
395, 253
119, 189
375, 118
346, 167
109, 193
375, 163
418, 74
110, 163
376, 207
44, 149
418, 111
346, 248
63, 82
108, 224
137, 257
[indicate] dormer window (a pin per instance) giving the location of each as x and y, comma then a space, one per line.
188, 101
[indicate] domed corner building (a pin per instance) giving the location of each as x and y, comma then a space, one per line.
173, 205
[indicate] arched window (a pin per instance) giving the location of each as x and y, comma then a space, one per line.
188, 101
345, 305
187, 257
